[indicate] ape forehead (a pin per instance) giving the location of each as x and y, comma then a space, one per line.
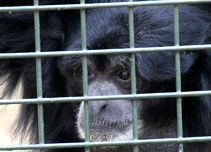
97, 62
153, 26
103, 62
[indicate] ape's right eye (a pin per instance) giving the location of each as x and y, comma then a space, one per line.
91, 74
79, 74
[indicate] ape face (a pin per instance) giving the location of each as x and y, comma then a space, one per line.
110, 75
109, 120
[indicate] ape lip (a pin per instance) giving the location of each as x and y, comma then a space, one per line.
108, 125
108, 134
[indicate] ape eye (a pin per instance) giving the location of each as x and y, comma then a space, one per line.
123, 75
91, 74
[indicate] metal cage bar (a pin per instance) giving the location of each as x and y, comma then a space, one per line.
133, 75
112, 97
108, 51
85, 73
178, 76
99, 5
40, 112
113, 143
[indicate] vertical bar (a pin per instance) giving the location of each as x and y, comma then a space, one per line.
133, 76
39, 76
178, 76
85, 73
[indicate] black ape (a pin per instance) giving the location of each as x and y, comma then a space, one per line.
110, 74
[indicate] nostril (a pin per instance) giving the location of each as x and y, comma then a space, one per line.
103, 107
99, 110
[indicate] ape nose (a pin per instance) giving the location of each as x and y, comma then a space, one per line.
111, 114
98, 109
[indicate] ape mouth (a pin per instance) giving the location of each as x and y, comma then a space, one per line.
107, 132
110, 135
107, 124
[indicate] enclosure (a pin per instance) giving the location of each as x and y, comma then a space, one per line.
84, 53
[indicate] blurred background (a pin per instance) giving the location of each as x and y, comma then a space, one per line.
8, 113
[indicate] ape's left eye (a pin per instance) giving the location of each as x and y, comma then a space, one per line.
123, 75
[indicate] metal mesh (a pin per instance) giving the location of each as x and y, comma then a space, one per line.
38, 55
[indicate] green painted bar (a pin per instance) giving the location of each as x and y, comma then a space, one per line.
97, 5
178, 76
133, 76
90, 144
39, 77
113, 97
85, 73
108, 51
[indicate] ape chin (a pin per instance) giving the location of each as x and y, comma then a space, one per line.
110, 74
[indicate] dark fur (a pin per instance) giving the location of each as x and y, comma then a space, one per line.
108, 28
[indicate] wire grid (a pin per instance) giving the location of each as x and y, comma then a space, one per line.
38, 55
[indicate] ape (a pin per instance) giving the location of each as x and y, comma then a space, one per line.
110, 74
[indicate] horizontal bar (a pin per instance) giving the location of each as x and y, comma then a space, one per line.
113, 97
113, 143
97, 5
104, 51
